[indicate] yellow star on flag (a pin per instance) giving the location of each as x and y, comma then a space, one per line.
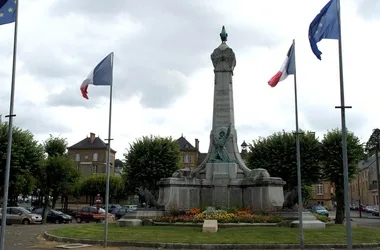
1, 14
10, 9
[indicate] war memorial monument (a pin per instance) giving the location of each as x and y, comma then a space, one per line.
222, 179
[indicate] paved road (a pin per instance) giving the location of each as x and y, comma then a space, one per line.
23, 237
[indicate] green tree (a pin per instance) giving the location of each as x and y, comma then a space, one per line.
277, 154
57, 174
332, 161
148, 160
96, 184
25, 157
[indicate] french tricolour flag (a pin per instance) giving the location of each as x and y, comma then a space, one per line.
287, 68
101, 75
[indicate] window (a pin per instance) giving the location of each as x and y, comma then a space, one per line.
95, 157
15, 211
78, 167
94, 169
86, 209
319, 189
77, 157
374, 200
187, 159
377, 200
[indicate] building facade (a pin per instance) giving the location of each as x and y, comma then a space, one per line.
90, 155
323, 193
363, 188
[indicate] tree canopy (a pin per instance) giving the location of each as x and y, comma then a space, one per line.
148, 160
332, 162
277, 154
56, 175
25, 157
96, 184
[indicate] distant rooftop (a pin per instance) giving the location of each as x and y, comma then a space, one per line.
91, 142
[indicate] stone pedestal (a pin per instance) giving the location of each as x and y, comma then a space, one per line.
309, 221
129, 222
188, 193
143, 213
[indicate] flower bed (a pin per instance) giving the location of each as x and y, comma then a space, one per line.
222, 216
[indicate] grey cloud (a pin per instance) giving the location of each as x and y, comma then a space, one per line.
53, 64
176, 36
368, 9
321, 119
32, 117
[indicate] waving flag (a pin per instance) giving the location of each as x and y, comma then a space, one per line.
101, 75
324, 25
7, 11
287, 68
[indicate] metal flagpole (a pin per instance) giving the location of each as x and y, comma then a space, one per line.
299, 184
344, 136
108, 164
10, 132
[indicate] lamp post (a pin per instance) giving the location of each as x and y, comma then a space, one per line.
360, 211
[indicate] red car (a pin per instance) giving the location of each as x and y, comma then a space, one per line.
88, 214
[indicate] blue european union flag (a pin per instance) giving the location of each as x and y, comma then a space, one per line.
324, 25
7, 11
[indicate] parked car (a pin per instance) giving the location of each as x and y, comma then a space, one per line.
321, 210
55, 216
119, 212
19, 215
362, 207
112, 207
354, 207
369, 209
375, 212
130, 208
88, 214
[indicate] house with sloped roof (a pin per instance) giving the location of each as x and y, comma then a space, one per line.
90, 155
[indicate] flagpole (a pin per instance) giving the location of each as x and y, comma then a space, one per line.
299, 183
10, 133
108, 163
344, 137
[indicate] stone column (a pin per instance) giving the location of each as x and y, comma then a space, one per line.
224, 61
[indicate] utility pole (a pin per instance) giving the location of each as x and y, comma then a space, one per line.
360, 211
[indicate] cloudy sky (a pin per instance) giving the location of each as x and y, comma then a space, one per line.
163, 75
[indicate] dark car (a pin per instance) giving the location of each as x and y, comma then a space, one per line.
119, 212
55, 216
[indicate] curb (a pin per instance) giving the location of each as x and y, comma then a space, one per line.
115, 243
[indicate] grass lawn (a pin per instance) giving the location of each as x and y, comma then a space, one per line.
242, 235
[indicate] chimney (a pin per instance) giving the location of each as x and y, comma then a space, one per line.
197, 144
92, 137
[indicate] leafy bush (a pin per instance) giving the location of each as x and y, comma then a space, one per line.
322, 218
222, 216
